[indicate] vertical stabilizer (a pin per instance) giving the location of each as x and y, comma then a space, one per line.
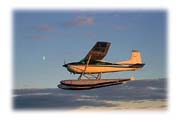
135, 58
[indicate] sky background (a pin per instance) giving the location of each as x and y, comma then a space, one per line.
43, 40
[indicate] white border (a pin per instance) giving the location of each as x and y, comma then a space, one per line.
6, 9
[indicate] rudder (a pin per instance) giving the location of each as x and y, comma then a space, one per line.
135, 58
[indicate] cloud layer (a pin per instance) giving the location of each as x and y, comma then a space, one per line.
80, 21
46, 28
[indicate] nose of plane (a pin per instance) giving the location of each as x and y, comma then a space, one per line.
65, 65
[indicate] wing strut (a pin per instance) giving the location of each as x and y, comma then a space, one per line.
89, 58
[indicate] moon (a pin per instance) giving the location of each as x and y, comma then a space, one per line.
44, 58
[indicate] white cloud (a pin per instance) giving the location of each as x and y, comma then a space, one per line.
80, 21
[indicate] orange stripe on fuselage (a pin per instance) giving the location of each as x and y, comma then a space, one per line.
98, 69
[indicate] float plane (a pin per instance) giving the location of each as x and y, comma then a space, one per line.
92, 66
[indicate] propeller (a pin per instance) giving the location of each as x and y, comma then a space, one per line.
65, 65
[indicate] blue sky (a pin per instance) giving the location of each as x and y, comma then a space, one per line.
68, 36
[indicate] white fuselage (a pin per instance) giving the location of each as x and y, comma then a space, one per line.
93, 69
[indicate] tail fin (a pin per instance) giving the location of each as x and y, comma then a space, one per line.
135, 58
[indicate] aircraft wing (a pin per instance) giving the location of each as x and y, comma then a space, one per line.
98, 52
